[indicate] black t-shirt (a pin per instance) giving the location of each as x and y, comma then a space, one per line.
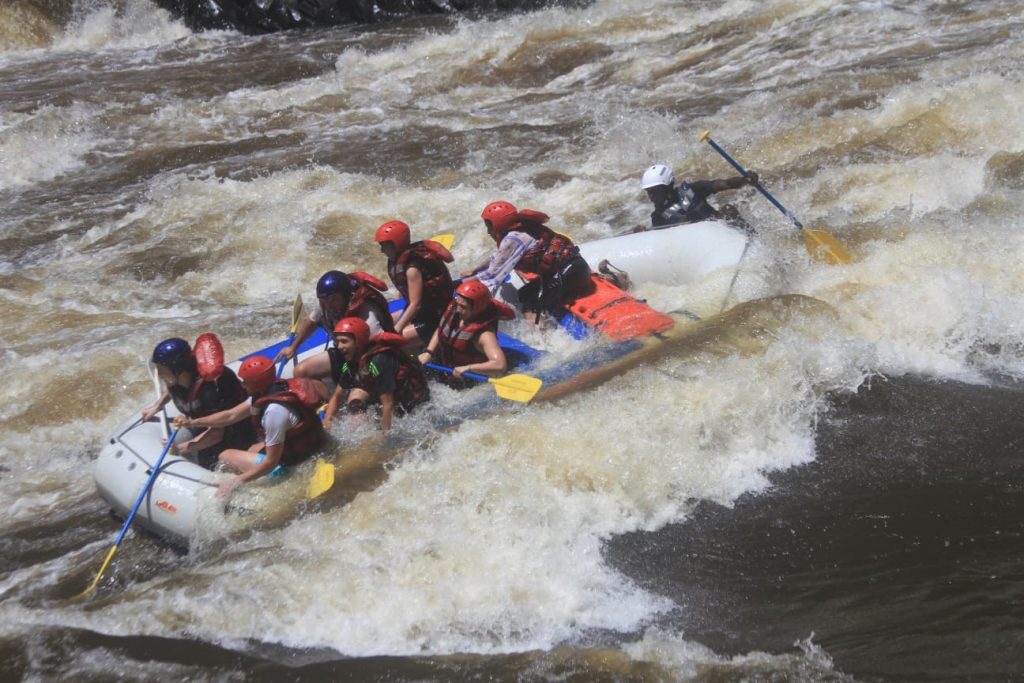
687, 206
382, 372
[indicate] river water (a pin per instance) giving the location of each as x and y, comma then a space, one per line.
832, 493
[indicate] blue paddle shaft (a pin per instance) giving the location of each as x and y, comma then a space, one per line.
450, 371
145, 489
760, 189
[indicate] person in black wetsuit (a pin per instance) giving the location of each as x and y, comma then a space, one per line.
688, 203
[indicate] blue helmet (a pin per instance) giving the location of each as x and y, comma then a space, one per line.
333, 282
173, 353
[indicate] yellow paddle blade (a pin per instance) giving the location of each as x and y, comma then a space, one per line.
825, 248
322, 479
99, 574
296, 312
446, 240
520, 388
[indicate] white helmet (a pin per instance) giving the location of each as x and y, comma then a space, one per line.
659, 174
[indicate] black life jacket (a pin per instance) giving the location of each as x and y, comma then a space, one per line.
688, 207
206, 398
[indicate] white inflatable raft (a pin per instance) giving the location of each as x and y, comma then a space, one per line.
672, 256
182, 494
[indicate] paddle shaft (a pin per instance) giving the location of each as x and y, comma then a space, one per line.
450, 371
131, 515
743, 172
147, 487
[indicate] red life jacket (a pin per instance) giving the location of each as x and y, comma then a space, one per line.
299, 396
550, 252
429, 258
367, 290
410, 384
209, 355
455, 344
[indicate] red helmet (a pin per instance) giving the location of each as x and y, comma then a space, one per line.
499, 217
395, 232
476, 292
258, 372
356, 328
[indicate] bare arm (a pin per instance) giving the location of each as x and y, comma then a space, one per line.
734, 183
305, 329
155, 408
495, 365
428, 353
332, 406
273, 457
415, 280
224, 418
387, 411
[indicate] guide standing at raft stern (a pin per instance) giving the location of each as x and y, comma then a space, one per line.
688, 203
284, 414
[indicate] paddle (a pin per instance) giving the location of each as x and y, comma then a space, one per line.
322, 479
131, 515
296, 314
446, 240
519, 388
820, 244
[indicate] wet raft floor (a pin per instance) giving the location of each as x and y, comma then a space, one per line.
901, 548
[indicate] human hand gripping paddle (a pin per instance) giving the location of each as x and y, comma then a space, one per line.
519, 388
820, 244
131, 516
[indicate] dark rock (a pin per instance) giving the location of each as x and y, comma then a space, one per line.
265, 16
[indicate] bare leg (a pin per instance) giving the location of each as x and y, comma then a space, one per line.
315, 367
237, 460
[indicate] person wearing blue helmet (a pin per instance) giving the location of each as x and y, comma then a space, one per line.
199, 384
339, 295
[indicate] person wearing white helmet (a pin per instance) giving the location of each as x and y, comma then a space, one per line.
688, 203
